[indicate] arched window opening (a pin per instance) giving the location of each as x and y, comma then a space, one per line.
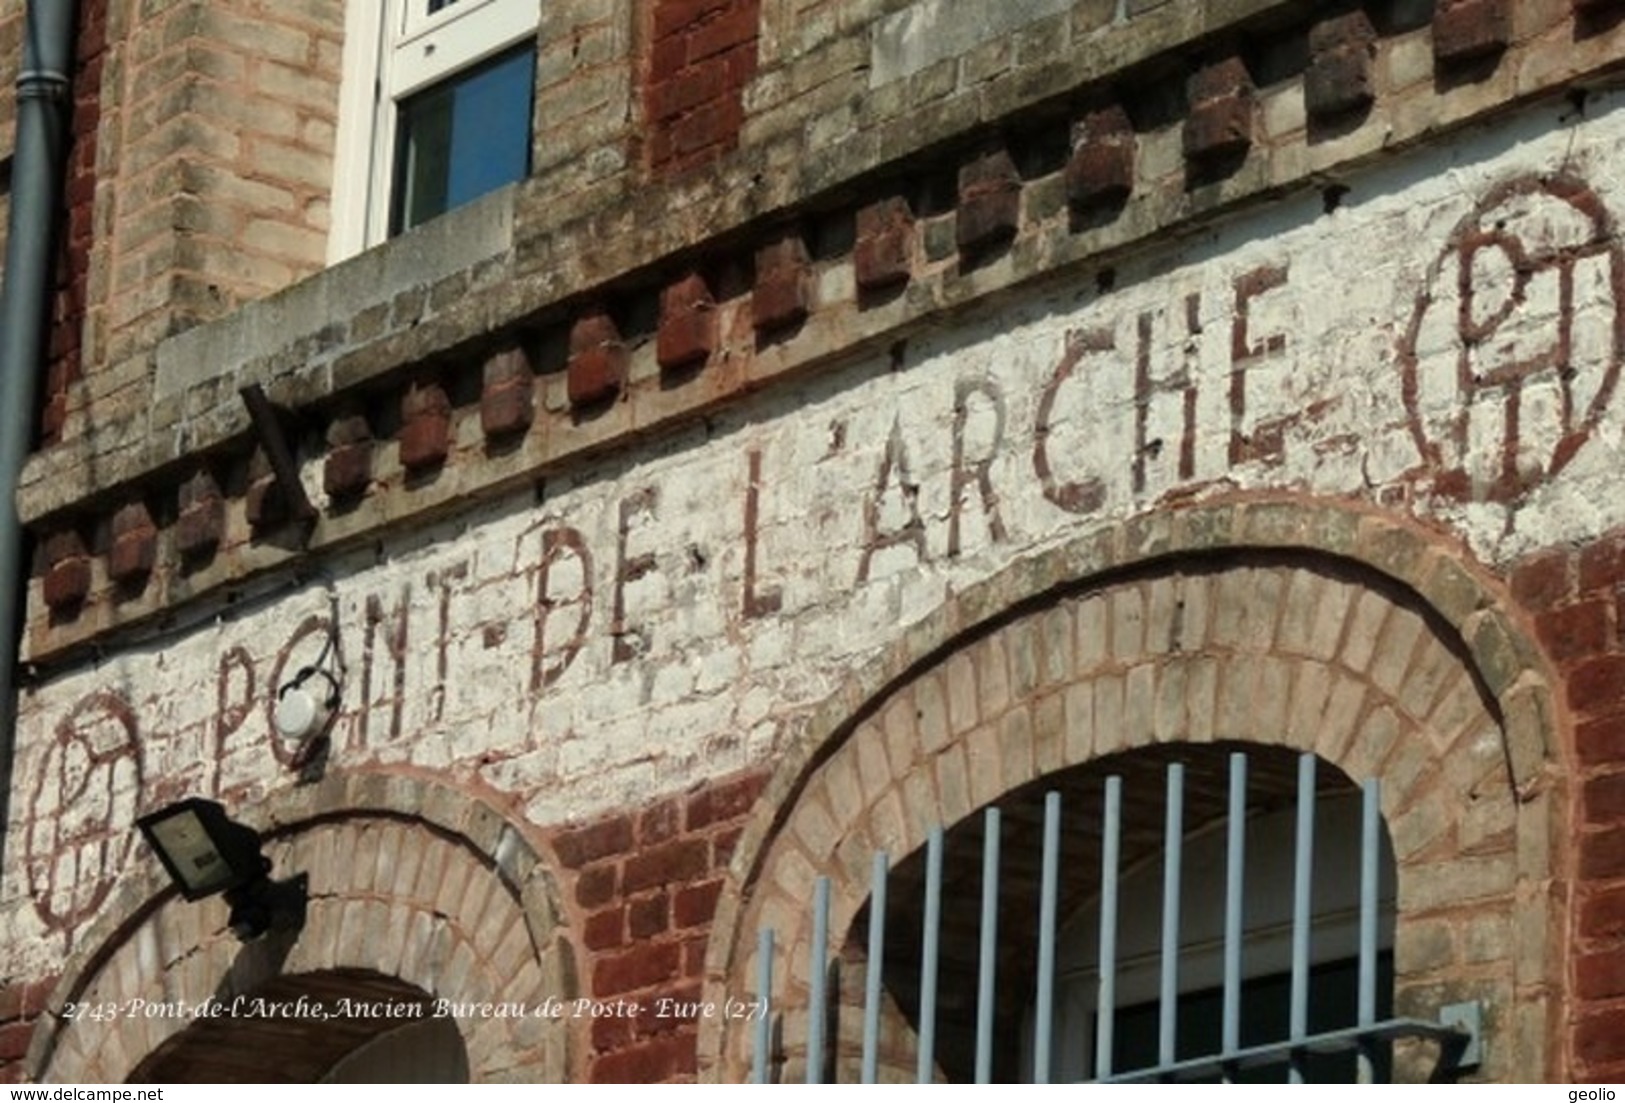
424, 1051
1266, 946
342, 1026
1280, 968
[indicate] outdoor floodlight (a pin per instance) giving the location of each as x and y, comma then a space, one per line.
205, 852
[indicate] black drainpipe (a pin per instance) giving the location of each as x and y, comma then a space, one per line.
44, 101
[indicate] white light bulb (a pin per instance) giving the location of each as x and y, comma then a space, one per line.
299, 714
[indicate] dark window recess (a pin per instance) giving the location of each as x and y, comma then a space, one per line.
1333, 1004
467, 135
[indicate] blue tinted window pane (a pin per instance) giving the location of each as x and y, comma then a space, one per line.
490, 127
466, 136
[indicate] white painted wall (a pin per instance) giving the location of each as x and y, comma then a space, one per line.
710, 690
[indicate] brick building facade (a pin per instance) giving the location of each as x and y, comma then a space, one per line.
860, 413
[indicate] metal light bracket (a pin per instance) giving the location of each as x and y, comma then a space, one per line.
274, 439
1466, 1021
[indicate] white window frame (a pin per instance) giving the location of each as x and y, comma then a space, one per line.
391, 50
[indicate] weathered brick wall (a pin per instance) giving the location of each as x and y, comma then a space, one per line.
586, 95
21, 1003
425, 883
608, 503
257, 127
645, 886
984, 216
74, 232
217, 121
1576, 597
11, 50
597, 646
701, 57
77, 229
1300, 654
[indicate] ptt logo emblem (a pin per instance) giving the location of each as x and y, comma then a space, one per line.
83, 802
1514, 348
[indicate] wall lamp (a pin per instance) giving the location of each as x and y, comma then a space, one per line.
205, 852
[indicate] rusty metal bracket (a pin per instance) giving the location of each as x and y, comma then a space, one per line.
273, 437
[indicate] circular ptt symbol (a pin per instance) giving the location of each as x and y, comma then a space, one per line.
1514, 348
82, 809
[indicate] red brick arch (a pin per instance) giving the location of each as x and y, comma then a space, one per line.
408, 879
1325, 629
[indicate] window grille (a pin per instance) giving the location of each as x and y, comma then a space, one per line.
1235, 1057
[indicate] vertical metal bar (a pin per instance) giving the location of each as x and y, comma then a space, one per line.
819, 974
1172, 859
924, 1072
987, 963
764, 1005
34, 178
1370, 851
1303, 867
1106, 1003
1234, 884
1048, 897
874, 968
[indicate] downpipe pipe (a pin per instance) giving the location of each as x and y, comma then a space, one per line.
44, 102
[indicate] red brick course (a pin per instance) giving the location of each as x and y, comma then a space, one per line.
598, 360
1220, 125
201, 522
989, 202
507, 400
688, 324
1541, 582
597, 840
605, 930
701, 55
722, 803
1602, 563
64, 352
1602, 916
665, 1058
1598, 1039
644, 965
20, 1006
883, 255
347, 470
677, 861
1573, 597
1602, 854
135, 545
1594, 684
1600, 976
782, 296
1469, 30
1100, 173
1338, 80
646, 883
14, 1039
425, 427
1576, 630
596, 886
67, 571
649, 916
